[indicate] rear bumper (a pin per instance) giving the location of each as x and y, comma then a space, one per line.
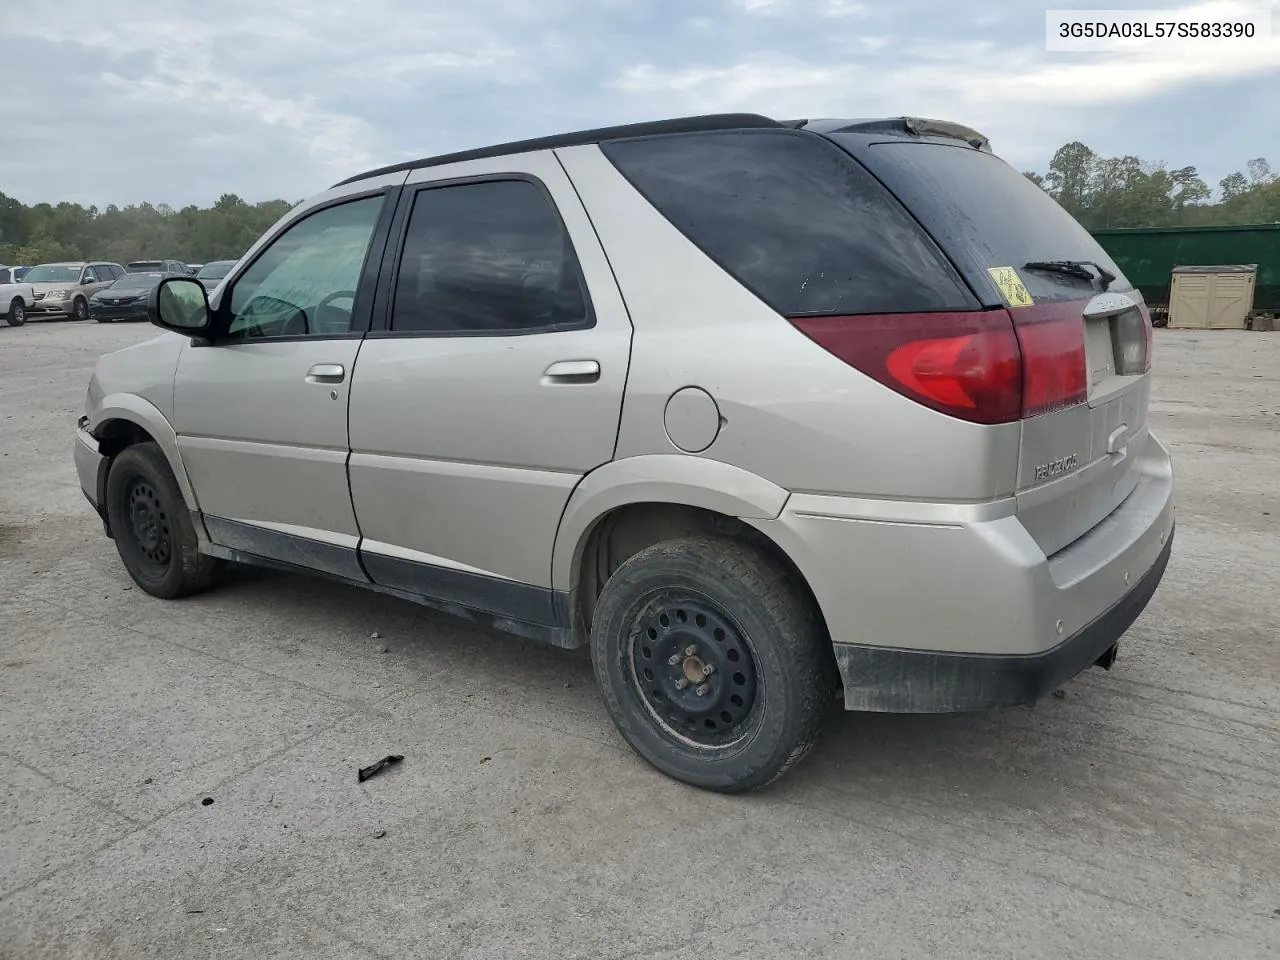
916, 681
963, 591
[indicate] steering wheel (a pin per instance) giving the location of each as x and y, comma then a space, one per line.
268, 304
331, 319
341, 294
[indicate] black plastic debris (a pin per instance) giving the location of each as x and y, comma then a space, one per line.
367, 772
206, 801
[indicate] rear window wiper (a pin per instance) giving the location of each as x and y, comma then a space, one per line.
1073, 268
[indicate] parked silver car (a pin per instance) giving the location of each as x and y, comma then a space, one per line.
63, 290
759, 411
213, 273
174, 268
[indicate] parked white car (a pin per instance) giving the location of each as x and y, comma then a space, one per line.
15, 298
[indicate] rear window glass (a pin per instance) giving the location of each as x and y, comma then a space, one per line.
793, 219
215, 271
137, 281
985, 214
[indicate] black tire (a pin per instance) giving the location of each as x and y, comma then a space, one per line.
773, 686
17, 315
152, 527
80, 309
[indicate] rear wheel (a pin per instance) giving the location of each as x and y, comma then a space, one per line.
17, 313
714, 665
152, 527
80, 309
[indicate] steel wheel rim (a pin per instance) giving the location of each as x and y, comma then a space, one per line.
694, 670
80, 309
20, 312
149, 524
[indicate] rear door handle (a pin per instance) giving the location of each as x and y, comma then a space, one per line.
572, 371
326, 373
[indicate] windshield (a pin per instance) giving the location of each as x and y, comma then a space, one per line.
137, 281
52, 273
985, 215
215, 271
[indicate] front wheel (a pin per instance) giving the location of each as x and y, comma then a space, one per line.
80, 309
17, 313
713, 662
152, 527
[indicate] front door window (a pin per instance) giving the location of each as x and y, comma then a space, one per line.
304, 284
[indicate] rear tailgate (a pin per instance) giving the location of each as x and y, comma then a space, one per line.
1074, 468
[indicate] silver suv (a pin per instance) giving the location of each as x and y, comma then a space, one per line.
764, 413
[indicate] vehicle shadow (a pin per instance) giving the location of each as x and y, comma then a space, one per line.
1020, 756
972, 754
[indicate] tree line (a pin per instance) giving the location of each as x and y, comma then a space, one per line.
1098, 191
45, 232
1104, 192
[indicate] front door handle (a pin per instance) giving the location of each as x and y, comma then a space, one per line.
326, 373
572, 371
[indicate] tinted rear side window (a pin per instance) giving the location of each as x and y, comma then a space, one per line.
487, 257
985, 214
794, 219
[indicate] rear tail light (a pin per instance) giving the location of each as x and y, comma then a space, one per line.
1055, 374
992, 366
1133, 335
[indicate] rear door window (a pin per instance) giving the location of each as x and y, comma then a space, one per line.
986, 214
488, 257
795, 220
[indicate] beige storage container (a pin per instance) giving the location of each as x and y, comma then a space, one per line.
1212, 297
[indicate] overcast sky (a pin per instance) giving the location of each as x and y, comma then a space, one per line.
120, 101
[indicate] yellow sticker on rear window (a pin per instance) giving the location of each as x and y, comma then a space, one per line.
1011, 286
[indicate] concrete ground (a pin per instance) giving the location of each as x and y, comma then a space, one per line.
1135, 817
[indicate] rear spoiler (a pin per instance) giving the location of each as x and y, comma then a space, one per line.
912, 126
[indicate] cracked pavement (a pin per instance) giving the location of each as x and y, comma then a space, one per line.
1136, 816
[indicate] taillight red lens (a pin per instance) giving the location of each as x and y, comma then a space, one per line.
963, 364
990, 366
1055, 374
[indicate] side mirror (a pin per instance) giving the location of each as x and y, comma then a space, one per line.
180, 305
87, 280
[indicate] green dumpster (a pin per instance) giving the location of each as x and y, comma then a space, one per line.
1147, 255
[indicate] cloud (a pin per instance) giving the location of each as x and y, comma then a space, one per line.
281, 100
1014, 92
337, 140
801, 8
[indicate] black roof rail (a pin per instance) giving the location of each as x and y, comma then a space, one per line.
715, 121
